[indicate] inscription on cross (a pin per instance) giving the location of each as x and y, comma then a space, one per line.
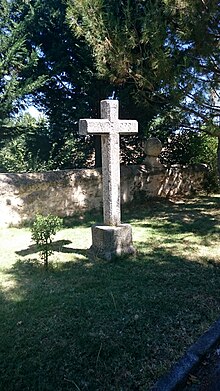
110, 127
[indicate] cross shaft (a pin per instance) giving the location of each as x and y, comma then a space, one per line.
110, 128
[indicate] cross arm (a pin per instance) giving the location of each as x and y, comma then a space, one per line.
104, 126
127, 127
93, 126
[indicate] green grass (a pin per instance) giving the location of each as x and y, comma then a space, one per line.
96, 325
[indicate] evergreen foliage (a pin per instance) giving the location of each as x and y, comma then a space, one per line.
160, 58
18, 63
30, 149
165, 51
72, 90
67, 87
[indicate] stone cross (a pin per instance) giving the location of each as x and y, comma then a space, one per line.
110, 127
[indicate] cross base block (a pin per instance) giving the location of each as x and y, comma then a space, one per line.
109, 242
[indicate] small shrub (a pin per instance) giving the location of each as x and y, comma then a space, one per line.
43, 230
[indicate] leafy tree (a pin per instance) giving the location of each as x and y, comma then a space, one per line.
165, 51
30, 149
155, 45
159, 57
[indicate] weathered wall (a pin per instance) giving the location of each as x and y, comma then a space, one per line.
64, 193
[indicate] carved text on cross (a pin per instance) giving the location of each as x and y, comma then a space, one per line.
109, 127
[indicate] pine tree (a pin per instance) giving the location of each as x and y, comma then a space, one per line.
17, 64
165, 51
72, 90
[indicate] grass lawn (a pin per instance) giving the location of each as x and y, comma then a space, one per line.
102, 326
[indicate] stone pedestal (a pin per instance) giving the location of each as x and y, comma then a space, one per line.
109, 242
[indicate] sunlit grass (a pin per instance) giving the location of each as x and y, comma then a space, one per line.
85, 325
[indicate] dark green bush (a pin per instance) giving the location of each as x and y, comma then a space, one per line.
43, 230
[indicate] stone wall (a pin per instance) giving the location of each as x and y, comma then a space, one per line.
67, 192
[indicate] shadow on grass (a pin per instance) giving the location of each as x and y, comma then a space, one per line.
191, 216
85, 219
56, 246
102, 326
